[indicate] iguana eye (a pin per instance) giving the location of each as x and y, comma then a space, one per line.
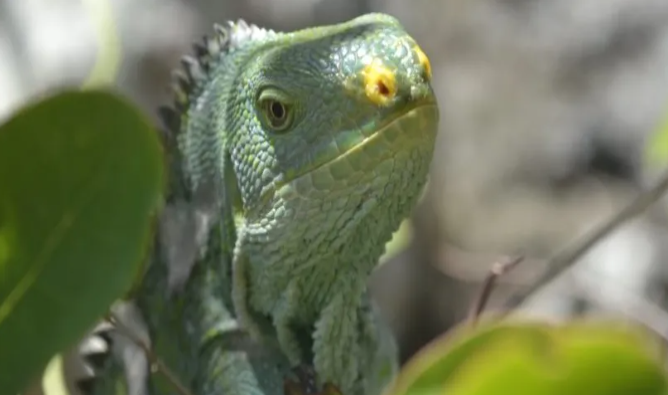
276, 110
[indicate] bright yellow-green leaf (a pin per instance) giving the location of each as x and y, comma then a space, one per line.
101, 15
401, 239
81, 176
656, 149
535, 359
53, 381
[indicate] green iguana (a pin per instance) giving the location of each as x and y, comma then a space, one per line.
293, 158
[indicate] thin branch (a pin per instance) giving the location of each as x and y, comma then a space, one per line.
497, 270
569, 255
161, 367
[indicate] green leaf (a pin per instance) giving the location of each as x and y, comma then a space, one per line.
108, 59
655, 155
535, 359
401, 239
81, 178
53, 380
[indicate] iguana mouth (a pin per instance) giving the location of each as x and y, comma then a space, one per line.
421, 116
393, 131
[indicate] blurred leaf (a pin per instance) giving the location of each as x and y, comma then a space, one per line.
533, 359
53, 381
108, 44
656, 149
81, 175
400, 240
403, 236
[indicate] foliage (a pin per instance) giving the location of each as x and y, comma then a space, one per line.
401, 239
81, 176
656, 149
591, 358
108, 56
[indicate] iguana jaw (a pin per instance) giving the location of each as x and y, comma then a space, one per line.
414, 126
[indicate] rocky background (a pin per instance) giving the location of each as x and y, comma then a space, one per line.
546, 106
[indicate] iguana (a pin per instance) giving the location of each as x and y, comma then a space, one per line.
293, 157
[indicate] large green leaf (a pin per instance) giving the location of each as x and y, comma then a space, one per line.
81, 176
535, 359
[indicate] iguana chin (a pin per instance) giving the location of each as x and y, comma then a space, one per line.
311, 147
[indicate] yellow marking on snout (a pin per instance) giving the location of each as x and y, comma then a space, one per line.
380, 84
424, 62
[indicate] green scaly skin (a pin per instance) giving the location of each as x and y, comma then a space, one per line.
311, 147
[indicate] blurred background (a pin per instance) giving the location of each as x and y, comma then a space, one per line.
546, 107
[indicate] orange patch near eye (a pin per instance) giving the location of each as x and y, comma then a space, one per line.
380, 84
424, 62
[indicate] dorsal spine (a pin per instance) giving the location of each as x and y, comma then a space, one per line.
189, 82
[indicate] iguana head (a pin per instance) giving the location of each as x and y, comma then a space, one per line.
321, 132
316, 109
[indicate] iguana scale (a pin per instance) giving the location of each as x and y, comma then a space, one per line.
293, 158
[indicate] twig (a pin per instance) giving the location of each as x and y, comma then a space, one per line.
161, 367
497, 270
569, 255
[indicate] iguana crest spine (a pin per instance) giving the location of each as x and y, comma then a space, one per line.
188, 85
188, 82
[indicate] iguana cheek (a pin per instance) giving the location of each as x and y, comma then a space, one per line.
416, 129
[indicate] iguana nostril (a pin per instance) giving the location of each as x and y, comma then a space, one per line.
380, 84
382, 88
